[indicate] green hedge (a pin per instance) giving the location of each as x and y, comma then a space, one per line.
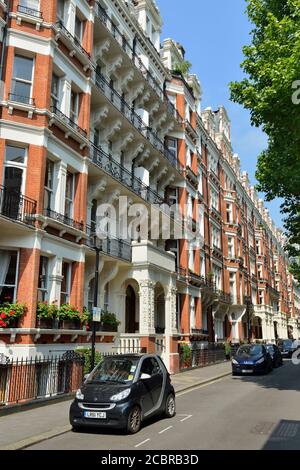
87, 353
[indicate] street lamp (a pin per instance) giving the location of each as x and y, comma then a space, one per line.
95, 304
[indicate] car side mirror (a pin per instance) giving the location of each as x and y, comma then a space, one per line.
145, 376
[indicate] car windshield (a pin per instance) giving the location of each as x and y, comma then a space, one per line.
250, 350
270, 348
114, 370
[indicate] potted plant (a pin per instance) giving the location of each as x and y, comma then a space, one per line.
185, 355
227, 347
69, 317
46, 314
109, 322
10, 312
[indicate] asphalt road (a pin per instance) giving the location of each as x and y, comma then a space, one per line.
232, 413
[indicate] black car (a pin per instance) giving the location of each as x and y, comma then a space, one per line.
123, 391
251, 359
287, 347
275, 354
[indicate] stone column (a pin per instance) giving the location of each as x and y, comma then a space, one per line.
170, 311
147, 325
55, 281
60, 189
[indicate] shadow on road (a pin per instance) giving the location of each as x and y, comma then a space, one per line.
286, 377
286, 436
117, 432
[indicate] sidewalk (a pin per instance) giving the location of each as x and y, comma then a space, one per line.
23, 428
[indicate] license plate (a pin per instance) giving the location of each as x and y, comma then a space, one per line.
95, 414
247, 371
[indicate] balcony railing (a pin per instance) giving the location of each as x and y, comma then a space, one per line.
63, 219
118, 101
21, 99
68, 121
130, 51
224, 297
73, 39
199, 331
120, 173
110, 246
29, 11
15, 206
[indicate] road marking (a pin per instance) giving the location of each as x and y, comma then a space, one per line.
141, 443
164, 430
187, 417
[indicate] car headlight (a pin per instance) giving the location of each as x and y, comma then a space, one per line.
79, 395
234, 361
260, 361
121, 396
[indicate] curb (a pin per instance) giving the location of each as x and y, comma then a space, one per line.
36, 439
23, 444
203, 382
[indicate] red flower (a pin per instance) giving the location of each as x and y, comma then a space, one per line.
3, 324
87, 328
3, 315
11, 313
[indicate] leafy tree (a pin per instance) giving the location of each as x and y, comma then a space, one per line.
271, 92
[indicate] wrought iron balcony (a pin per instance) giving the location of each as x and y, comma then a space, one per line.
15, 206
110, 246
224, 297
118, 101
21, 99
199, 332
66, 120
63, 219
121, 174
29, 11
130, 51
73, 39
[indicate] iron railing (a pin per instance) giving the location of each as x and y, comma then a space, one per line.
130, 51
118, 101
63, 219
21, 99
72, 38
124, 176
68, 121
29, 11
26, 380
211, 353
16, 206
109, 245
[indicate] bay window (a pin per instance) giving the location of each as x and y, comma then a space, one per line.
22, 79
43, 279
66, 283
8, 275
69, 197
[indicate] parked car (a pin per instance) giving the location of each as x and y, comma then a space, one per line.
287, 347
251, 359
275, 354
123, 391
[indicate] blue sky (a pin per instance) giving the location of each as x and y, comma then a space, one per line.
213, 33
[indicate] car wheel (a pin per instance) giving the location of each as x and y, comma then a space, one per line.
170, 410
134, 420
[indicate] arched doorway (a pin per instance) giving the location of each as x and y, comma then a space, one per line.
159, 296
130, 311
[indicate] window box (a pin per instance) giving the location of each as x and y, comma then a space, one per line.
70, 325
